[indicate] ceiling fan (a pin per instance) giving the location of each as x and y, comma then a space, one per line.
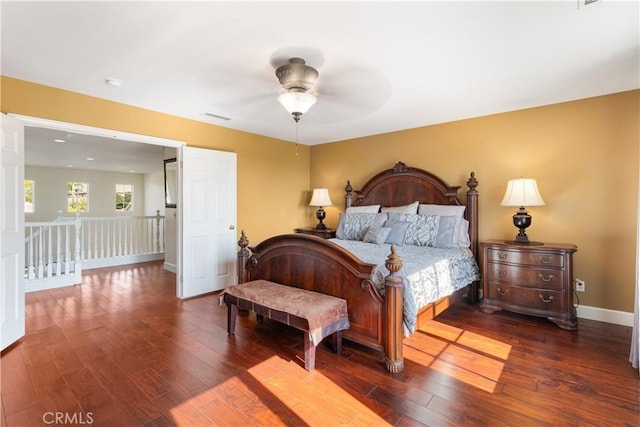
326, 90
345, 90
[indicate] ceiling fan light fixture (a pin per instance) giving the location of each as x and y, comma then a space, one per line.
297, 102
297, 79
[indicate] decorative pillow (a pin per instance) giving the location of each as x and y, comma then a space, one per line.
411, 208
461, 235
377, 235
422, 230
446, 230
353, 226
363, 209
397, 230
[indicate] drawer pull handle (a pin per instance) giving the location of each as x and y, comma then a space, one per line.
502, 292
546, 300
502, 256
545, 259
545, 279
502, 273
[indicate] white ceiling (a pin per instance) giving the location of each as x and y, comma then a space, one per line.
383, 66
60, 149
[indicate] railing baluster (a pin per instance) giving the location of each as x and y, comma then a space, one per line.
67, 251
86, 239
158, 231
32, 267
101, 239
77, 262
127, 236
58, 251
49, 254
40, 255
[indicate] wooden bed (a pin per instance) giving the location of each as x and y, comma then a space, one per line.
317, 264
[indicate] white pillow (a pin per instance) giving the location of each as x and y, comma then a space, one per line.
363, 209
442, 210
461, 231
411, 208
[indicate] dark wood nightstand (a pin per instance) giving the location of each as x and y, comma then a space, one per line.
328, 233
535, 280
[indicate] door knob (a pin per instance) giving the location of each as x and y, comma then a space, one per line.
232, 227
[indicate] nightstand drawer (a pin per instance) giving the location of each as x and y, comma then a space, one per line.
533, 299
527, 258
525, 276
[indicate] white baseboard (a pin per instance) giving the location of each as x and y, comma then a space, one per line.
170, 267
46, 283
601, 314
605, 315
121, 260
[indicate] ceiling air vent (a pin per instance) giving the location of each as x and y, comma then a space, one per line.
217, 116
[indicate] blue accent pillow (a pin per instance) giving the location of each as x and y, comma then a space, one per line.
377, 235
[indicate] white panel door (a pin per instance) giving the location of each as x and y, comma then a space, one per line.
208, 210
12, 315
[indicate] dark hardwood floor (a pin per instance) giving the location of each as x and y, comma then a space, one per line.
122, 350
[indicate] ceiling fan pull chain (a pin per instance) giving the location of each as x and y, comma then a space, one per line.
297, 139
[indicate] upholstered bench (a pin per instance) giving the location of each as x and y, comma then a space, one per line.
318, 315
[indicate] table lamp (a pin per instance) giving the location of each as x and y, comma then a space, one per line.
320, 198
522, 192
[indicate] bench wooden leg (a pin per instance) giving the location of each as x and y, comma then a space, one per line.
232, 312
336, 342
309, 353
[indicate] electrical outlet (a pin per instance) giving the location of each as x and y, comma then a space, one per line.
580, 286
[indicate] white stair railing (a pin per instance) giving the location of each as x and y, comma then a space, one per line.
56, 251
52, 254
111, 240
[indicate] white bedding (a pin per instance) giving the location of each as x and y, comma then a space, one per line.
429, 273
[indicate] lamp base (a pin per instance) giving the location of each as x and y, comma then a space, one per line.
522, 220
320, 214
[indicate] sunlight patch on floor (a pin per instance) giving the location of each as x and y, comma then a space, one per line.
313, 396
468, 339
465, 356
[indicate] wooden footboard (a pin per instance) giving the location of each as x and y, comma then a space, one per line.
317, 264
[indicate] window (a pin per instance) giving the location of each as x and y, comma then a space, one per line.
29, 202
77, 197
124, 197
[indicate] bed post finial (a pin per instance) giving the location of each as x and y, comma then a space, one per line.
243, 257
393, 284
348, 194
472, 182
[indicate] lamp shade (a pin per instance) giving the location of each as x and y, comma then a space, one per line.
297, 102
320, 197
522, 192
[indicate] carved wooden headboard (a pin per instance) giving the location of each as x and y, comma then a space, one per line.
402, 185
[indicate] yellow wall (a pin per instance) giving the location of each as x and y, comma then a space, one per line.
273, 183
584, 155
